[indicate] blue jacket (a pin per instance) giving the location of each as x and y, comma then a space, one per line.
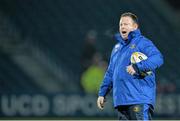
128, 89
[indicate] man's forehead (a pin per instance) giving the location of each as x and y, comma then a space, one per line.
125, 19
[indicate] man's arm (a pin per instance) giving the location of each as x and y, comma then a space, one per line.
155, 58
107, 82
106, 85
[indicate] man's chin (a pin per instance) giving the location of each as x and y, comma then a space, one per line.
125, 37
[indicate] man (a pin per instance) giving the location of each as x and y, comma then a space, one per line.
133, 94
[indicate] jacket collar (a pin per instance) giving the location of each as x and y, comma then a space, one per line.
131, 35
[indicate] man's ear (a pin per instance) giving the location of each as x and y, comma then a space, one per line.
136, 25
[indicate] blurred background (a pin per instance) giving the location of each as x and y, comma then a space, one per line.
53, 54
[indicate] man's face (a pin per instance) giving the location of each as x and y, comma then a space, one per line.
126, 25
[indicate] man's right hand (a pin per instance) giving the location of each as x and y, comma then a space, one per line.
100, 102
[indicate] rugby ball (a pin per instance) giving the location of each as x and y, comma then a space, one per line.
137, 57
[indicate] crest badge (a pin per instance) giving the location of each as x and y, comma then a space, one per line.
133, 46
136, 109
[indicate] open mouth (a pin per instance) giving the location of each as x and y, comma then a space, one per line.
124, 32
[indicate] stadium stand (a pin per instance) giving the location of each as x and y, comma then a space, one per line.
56, 30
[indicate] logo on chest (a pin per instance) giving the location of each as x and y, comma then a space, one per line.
132, 46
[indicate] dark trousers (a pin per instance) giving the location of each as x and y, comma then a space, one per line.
135, 112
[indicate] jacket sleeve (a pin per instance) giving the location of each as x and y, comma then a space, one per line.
106, 84
155, 58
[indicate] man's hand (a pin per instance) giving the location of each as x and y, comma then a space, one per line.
130, 70
100, 102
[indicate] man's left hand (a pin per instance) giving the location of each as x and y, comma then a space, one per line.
130, 70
